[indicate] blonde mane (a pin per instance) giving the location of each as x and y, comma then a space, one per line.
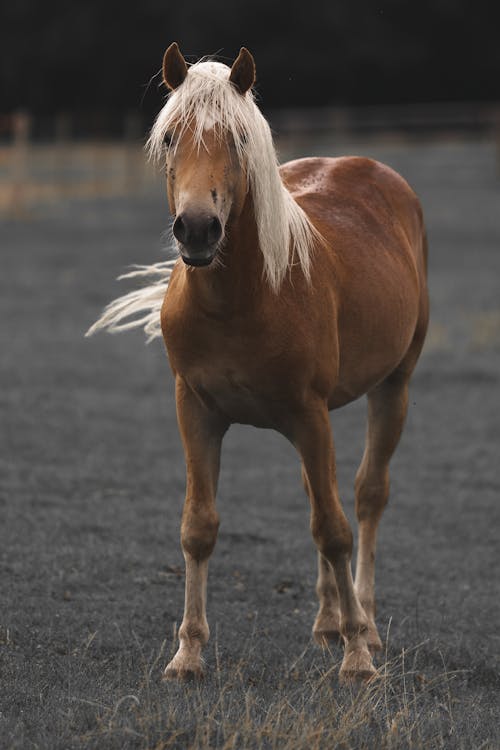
207, 99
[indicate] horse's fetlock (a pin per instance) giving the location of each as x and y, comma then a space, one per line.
353, 628
194, 632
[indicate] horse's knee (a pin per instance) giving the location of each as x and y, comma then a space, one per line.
372, 494
199, 532
332, 535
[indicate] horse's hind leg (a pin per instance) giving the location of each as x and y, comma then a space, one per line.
332, 534
326, 626
387, 405
201, 434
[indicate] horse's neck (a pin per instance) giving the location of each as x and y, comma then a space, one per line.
234, 282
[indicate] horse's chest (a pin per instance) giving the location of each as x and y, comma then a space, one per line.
232, 393
236, 387
233, 372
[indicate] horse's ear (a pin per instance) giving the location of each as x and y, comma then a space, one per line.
174, 67
243, 71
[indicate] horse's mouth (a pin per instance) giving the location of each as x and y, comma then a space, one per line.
196, 257
197, 262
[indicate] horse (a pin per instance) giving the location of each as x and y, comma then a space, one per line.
296, 289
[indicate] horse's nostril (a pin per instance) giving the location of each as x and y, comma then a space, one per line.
179, 229
214, 232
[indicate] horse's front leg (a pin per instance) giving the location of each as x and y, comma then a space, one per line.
201, 432
332, 534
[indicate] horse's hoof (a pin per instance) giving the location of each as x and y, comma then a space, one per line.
357, 676
357, 667
183, 672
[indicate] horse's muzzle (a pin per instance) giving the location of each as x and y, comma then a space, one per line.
198, 235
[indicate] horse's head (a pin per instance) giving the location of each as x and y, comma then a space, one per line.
202, 129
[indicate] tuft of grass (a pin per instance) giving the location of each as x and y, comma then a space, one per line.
303, 707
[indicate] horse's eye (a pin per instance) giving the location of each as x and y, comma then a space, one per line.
167, 139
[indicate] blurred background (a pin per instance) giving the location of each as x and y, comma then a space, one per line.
80, 82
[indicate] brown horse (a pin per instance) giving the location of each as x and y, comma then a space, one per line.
298, 289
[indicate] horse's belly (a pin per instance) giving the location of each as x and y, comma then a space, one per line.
354, 385
368, 356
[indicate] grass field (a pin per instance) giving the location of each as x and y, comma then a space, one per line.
91, 490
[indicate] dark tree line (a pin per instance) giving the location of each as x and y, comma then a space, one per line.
99, 55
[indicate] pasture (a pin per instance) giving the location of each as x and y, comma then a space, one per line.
91, 492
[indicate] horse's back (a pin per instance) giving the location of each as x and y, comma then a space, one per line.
369, 216
353, 197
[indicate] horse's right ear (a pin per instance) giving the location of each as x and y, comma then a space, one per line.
174, 67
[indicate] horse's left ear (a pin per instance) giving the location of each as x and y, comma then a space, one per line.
243, 71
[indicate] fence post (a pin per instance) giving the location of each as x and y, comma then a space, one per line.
21, 130
62, 186
496, 137
132, 135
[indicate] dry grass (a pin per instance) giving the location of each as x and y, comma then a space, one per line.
302, 708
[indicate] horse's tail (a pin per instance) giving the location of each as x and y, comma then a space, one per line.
141, 307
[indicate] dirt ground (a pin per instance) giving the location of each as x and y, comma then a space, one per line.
91, 490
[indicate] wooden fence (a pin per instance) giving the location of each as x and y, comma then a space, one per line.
50, 161
54, 167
